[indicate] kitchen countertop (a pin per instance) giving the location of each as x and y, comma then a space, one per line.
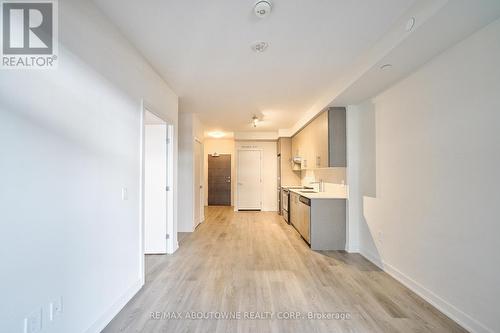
288, 187
322, 195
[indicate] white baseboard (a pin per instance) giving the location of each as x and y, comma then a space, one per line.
106, 318
351, 249
174, 248
373, 259
448, 309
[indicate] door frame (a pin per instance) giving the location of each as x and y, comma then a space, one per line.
170, 207
239, 150
201, 189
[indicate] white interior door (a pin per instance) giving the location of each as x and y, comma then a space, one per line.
198, 206
155, 184
249, 179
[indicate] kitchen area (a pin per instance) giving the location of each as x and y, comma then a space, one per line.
312, 189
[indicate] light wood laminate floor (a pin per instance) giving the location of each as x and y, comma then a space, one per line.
249, 262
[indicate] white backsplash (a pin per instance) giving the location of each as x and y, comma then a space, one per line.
330, 175
334, 179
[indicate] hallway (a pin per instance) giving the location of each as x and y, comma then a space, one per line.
242, 262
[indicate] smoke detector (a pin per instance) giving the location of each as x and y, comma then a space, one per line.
262, 8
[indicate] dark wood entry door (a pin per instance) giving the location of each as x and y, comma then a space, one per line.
219, 180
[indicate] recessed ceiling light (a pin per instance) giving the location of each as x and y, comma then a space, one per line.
410, 24
259, 46
216, 134
385, 67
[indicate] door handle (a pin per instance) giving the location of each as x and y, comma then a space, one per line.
240, 183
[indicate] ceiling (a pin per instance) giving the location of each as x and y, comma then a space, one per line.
440, 28
203, 50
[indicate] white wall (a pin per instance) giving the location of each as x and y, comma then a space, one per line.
429, 154
70, 141
269, 171
361, 167
190, 129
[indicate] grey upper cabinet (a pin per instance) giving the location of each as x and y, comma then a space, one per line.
322, 143
337, 137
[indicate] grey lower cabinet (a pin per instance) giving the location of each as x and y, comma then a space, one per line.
320, 222
328, 224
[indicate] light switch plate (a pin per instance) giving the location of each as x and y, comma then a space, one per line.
33, 323
124, 194
55, 308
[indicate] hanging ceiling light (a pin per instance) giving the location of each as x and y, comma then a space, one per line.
255, 121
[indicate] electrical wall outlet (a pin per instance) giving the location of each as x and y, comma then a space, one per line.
55, 308
380, 236
33, 323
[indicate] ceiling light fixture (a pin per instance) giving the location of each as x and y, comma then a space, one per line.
259, 47
410, 24
386, 67
262, 8
255, 121
216, 134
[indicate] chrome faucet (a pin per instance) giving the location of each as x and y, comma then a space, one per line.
321, 185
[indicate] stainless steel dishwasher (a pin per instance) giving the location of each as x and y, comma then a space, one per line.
285, 201
304, 225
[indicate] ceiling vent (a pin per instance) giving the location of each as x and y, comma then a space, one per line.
259, 46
